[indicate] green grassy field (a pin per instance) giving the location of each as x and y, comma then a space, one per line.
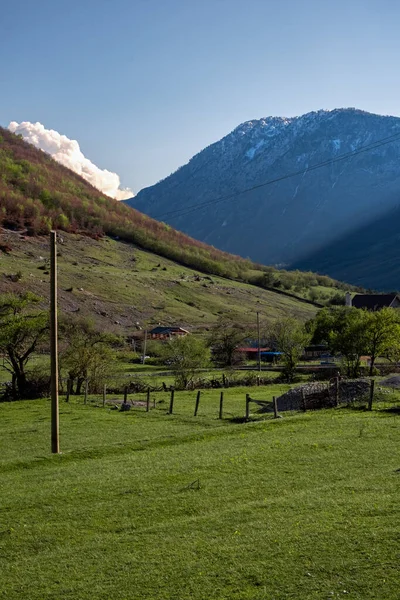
156, 506
119, 285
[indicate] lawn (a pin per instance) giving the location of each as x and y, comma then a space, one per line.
155, 506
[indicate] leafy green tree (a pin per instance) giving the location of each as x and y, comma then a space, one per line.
186, 355
352, 333
350, 339
289, 336
224, 339
87, 353
383, 334
22, 329
344, 330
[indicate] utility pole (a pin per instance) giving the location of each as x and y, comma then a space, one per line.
55, 443
144, 346
258, 338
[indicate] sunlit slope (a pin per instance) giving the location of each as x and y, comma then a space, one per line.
120, 285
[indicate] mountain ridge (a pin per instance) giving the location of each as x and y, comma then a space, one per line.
37, 194
283, 222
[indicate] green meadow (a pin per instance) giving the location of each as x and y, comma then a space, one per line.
156, 506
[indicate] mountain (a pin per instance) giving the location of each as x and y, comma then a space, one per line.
290, 220
37, 194
120, 266
368, 256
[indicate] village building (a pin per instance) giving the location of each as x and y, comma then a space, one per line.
373, 302
166, 332
250, 353
315, 351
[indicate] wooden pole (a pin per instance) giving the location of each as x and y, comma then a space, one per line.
371, 394
55, 431
303, 400
154, 400
221, 404
171, 402
104, 395
276, 415
86, 390
144, 347
258, 341
337, 391
196, 407
247, 407
148, 400
68, 389
125, 394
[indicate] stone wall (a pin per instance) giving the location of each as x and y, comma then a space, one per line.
322, 395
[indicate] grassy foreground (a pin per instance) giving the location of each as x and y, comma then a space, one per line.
164, 507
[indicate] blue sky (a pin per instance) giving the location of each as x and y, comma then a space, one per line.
145, 84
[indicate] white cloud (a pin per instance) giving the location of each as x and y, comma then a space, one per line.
68, 153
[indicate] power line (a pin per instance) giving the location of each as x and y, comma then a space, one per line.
189, 209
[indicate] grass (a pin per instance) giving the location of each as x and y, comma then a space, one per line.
119, 285
161, 507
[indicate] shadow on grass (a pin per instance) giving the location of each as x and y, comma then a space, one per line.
394, 410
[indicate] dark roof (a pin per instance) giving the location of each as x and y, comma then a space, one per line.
250, 349
315, 347
166, 329
373, 301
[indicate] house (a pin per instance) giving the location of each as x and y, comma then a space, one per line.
166, 333
315, 351
373, 301
250, 353
270, 356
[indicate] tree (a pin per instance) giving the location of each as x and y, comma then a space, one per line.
349, 338
185, 355
21, 330
225, 337
383, 334
353, 332
87, 353
289, 336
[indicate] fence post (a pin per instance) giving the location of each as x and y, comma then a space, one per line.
275, 407
303, 400
247, 407
337, 390
104, 395
154, 400
196, 407
68, 389
221, 404
125, 394
148, 400
171, 402
86, 390
258, 380
371, 394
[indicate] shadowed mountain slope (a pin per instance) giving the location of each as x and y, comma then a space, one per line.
290, 219
367, 256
